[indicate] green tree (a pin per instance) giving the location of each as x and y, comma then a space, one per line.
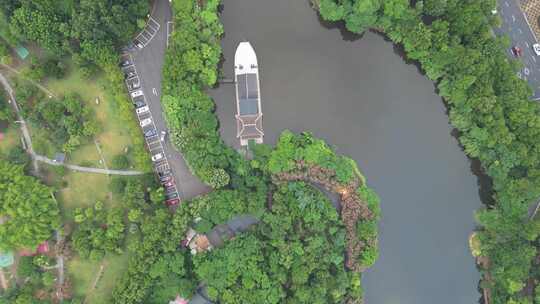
27, 207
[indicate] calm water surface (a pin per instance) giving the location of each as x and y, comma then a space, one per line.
366, 101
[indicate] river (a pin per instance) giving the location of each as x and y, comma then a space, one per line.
363, 99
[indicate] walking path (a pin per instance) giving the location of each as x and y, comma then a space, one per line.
24, 129
60, 264
42, 88
49, 161
35, 157
3, 280
101, 154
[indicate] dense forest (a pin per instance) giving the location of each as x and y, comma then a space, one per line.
28, 211
489, 106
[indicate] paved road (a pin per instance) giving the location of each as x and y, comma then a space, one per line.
149, 63
515, 26
51, 162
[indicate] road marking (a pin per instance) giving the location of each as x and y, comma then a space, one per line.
526, 71
154, 91
520, 31
506, 3
526, 43
170, 29
534, 59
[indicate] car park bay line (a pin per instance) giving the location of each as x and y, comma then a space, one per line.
153, 143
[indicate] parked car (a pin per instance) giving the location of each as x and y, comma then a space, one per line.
150, 133
146, 122
172, 195
129, 47
164, 173
536, 49
165, 179
172, 202
130, 74
168, 183
139, 104
157, 157
517, 51
142, 109
136, 93
125, 63
134, 85
163, 134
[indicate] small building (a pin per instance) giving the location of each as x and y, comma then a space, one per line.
179, 300
22, 52
59, 158
42, 248
6, 259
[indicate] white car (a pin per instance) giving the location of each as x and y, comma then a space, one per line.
136, 93
142, 110
162, 135
146, 122
536, 49
157, 157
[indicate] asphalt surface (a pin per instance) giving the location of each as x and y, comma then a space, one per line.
148, 63
514, 24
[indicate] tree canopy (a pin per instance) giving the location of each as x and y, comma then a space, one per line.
295, 255
27, 209
91, 28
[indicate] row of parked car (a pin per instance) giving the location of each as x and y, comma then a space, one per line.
153, 138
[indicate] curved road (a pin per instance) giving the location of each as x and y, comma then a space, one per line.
149, 64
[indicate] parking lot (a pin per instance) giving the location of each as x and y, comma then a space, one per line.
154, 137
150, 30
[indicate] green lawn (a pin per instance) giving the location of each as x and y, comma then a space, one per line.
10, 140
84, 274
114, 137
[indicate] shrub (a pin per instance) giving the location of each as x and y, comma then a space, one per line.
118, 184
26, 267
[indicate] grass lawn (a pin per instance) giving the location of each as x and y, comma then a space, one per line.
84, 274
114, 137
10, 140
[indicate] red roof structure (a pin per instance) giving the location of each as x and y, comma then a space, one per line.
41, 249
179, 300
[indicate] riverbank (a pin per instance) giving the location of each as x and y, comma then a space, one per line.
360, 97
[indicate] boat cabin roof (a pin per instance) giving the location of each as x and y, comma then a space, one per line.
248, 94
